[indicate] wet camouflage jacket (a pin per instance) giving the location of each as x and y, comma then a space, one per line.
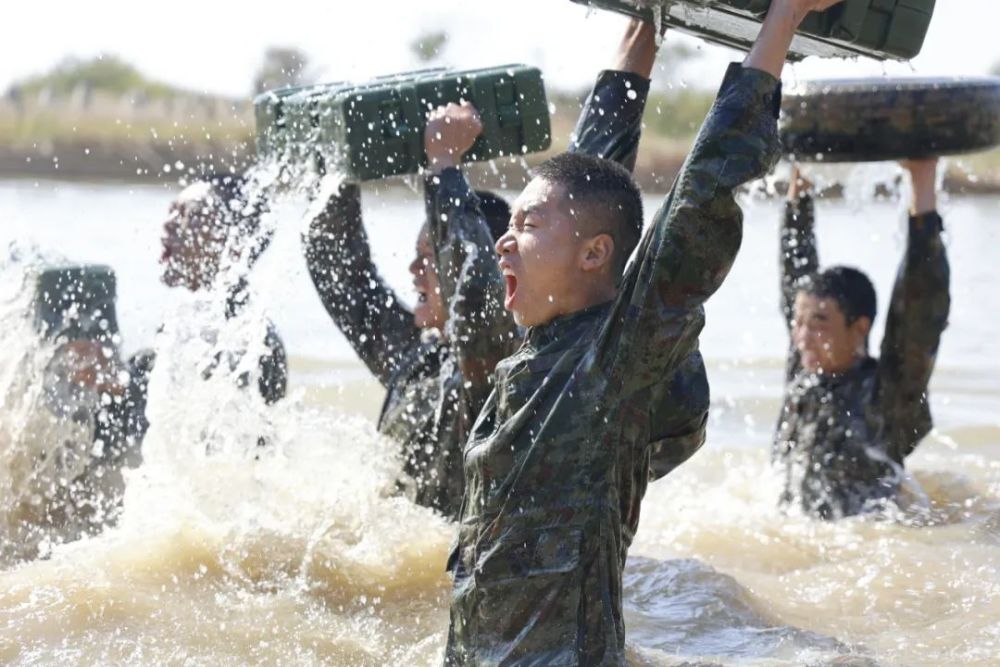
841, 439
557, 463
435, 384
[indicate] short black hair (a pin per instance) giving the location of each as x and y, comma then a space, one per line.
850, 288
607, 189
496, 211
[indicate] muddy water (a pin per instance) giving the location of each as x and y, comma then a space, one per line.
303, 553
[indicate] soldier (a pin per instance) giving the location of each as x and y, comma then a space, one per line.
207, 218
558, 459
435, 362
849, 420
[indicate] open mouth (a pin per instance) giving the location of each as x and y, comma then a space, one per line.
511, 283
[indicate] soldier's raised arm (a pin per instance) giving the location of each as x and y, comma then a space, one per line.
368, 313
799, 256
688, 251
917, 316
610, 123
479, 330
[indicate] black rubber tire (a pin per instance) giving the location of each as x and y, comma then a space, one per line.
869, 120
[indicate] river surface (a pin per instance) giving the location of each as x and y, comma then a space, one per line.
303, 554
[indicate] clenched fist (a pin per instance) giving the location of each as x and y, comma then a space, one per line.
451, 131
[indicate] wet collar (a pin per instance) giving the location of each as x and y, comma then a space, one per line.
559, 327
859, 367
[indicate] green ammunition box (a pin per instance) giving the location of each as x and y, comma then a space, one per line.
76, 302
375, 130
881, 29
288, 117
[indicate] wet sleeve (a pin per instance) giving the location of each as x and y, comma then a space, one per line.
479, 330
368, 313
679, 417
123, 425
918, 315
799, 257
692, 242
273, 381
610, 124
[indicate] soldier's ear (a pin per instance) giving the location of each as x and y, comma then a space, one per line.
861, 327
597, 252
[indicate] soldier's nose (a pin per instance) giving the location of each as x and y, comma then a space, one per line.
505, 244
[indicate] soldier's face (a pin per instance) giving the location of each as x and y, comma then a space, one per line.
539, 255
429, 311
825, 341
193, 241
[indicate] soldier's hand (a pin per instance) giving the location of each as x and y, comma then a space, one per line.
637, 51
798, 185
777, 31
451, 131
923, 177
800, 8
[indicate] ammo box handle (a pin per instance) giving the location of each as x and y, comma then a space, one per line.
410, 121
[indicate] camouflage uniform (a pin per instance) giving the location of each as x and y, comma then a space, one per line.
435, 384
557, 463
841, 439
610, 127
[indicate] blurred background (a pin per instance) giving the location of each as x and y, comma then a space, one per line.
102, 90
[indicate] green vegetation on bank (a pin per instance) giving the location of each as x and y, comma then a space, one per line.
111, 120
105, 73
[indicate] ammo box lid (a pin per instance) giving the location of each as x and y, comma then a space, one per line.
76, 301
880, 29
374, 129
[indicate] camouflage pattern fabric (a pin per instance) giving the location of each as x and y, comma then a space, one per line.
557, 462
610, 127
841, 439
436, 384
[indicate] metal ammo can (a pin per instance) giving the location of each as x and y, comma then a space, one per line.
881, 29
375, 129
76, 302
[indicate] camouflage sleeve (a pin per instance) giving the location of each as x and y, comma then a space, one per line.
372, 319
799, 257
918, 315
610, 124
688, 250
677, 428
273, 381
480, 331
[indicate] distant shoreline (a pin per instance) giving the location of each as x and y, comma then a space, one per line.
153, 164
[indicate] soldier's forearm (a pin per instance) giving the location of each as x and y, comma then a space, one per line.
637, 51
926, 265
470, 279
924, 195
610, 123
739, 140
